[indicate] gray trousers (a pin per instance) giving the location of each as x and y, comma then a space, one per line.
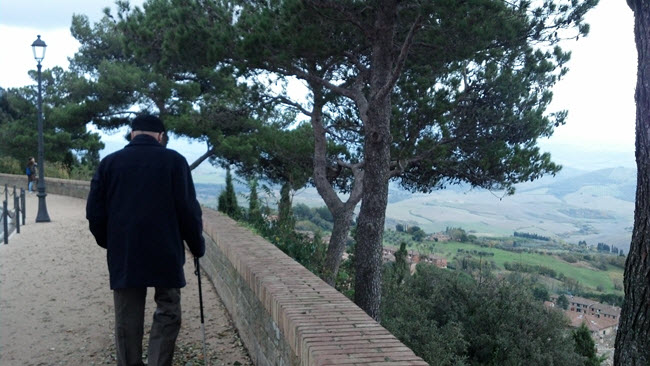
129, 325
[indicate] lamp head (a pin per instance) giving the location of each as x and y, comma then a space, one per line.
39, 49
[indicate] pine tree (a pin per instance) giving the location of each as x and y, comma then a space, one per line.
413, 102
633, 336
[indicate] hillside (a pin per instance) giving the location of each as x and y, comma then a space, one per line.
594, 206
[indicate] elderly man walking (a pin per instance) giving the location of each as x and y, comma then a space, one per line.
141, 207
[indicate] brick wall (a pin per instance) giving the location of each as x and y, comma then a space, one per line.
285, 315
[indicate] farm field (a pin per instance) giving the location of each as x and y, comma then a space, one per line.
593, 279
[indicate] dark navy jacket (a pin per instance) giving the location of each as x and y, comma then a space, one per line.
141, 207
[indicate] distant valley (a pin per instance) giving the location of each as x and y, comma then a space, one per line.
594, 206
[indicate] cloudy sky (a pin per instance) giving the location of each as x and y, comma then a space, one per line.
598, 91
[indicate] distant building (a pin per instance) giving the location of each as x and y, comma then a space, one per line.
601, 319
599, 327
414, 257
272, 218
439, 237
592, 307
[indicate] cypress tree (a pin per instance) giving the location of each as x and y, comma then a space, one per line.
285, 213
585, 346
228, 198
401, 264
254, 213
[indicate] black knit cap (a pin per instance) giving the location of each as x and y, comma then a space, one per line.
147, 122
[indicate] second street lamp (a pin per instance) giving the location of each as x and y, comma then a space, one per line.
42, 216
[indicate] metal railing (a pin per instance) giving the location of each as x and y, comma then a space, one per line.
10, 218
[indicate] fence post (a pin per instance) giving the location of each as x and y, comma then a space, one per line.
22, 203
17, 213
4, 219
6, 192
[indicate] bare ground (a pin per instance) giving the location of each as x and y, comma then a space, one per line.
56, 307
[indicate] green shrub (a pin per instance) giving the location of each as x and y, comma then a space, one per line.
82, 172
57, 169
9, 165
448, 318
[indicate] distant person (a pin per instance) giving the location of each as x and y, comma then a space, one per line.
30, 170
141, 207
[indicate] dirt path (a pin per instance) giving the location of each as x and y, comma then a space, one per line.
56, 307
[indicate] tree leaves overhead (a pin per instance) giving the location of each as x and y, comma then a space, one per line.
288, 36
167, 58
475, 72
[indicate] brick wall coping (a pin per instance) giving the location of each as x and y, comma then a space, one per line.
321, 325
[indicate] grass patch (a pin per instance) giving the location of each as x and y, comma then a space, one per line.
591, 278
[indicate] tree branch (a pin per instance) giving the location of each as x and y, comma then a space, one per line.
357, 62
357, 186
202, 158
350, 166
321, 182
327, 84
398, 166
401, 60
291, 103
340, 137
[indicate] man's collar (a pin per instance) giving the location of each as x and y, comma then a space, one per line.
143, 139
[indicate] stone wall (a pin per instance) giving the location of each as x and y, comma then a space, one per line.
64, 187
285, 315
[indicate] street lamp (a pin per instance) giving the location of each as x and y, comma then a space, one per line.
39, 54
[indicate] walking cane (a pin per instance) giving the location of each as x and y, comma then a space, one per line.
198, 275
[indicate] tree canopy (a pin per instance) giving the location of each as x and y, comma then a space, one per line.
66, 141
427, 93
448, 318
153, 59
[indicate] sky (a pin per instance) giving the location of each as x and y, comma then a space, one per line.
598, 91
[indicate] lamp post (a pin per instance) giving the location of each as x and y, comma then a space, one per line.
39, 54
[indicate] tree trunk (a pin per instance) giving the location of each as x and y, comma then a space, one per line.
341, 211
342, 219
370, 225
633, 336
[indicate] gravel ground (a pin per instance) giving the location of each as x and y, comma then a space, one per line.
56, 307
